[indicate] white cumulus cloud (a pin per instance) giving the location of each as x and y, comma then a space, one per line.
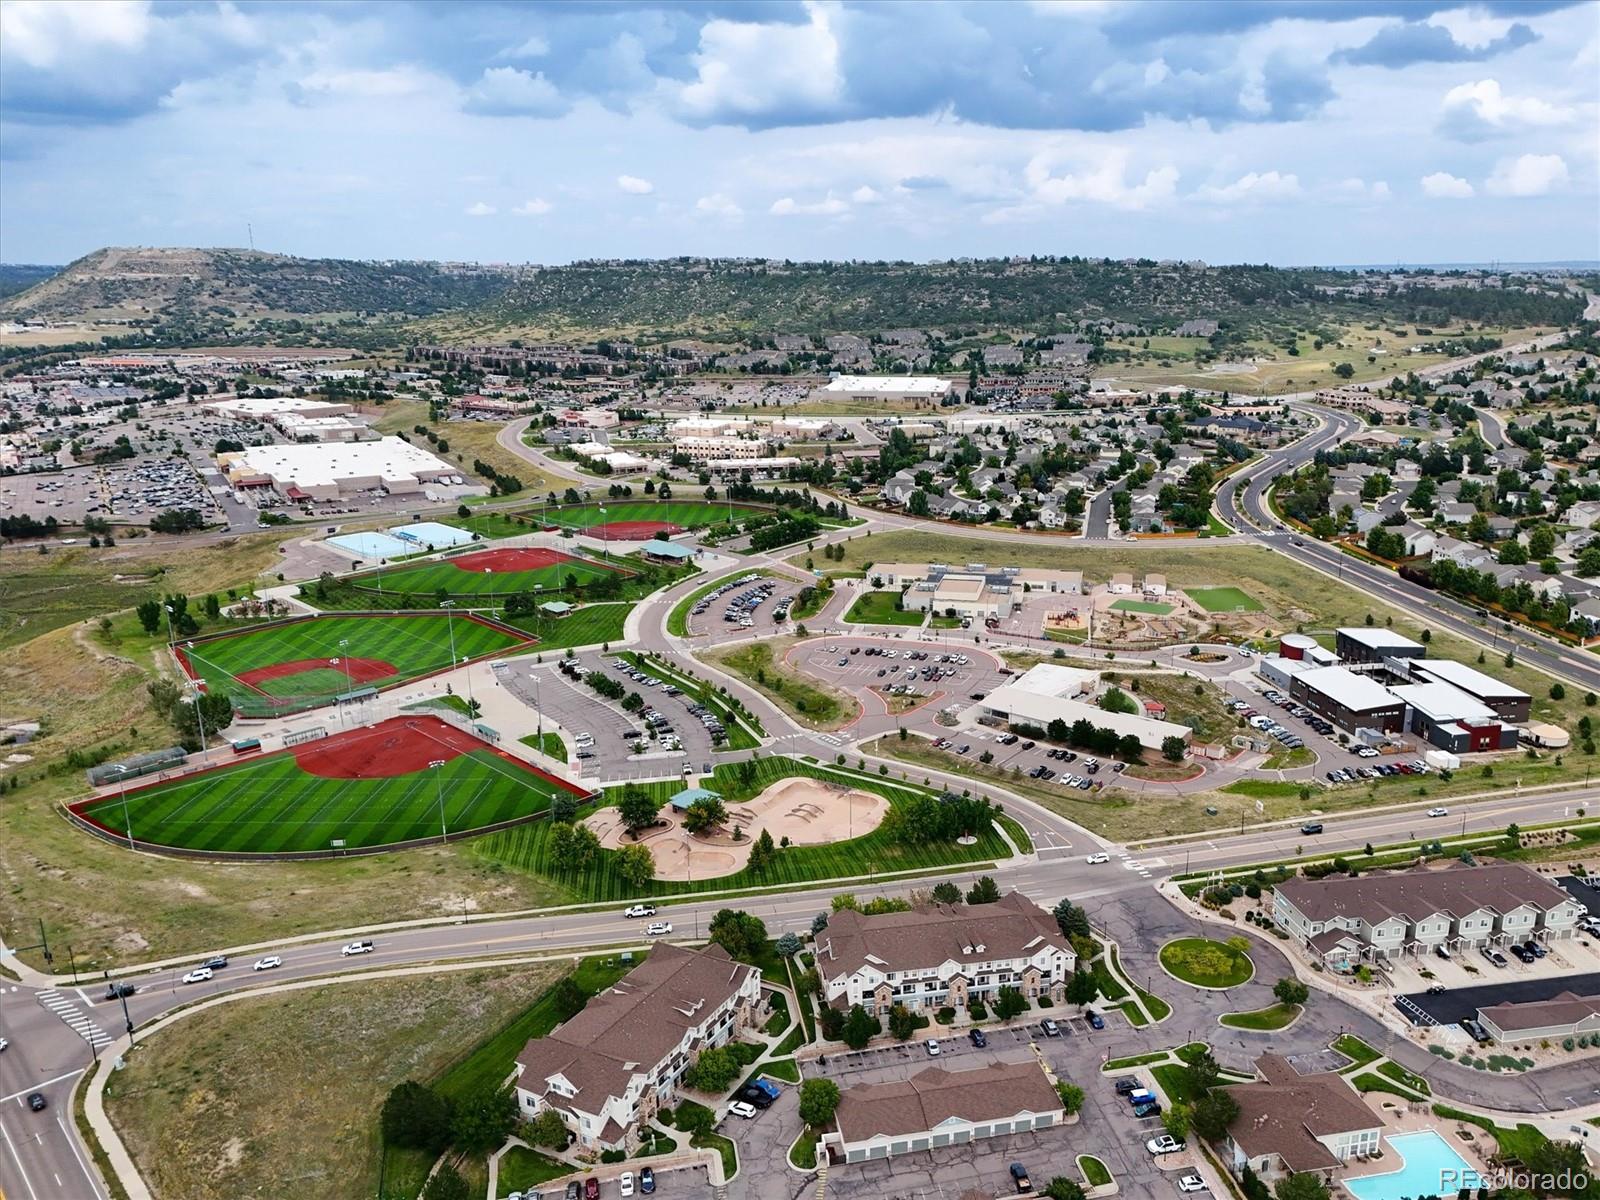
480, 209
788, 206
1473, 111
635, 186
510, 92
764, 71
1102, 182
718, 205
1444, 186
1527, 175
1253, 186
537, 207
865, 195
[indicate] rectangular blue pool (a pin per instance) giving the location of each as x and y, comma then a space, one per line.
1429, 1166
372, 546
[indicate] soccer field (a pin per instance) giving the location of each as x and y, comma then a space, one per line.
295, 660
1142, 606
685, 514
487, 573
1223, 599
368, 787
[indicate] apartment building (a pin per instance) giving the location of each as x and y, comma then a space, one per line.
1349, 920
720, 448
941, 955
620, 1060
1290, 1123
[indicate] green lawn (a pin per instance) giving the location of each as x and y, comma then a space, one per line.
1142, 606
879, 608
1357, 1051
372, 651
591, 625
522, 1168
272, 805
1095, 1172
689, 514
805, 698
1405, 1078
1223, 599
551, 745
1278, 1016
1206, 963
526, 846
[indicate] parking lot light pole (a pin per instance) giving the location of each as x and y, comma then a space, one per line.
444, 833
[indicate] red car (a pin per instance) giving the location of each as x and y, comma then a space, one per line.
591, 1188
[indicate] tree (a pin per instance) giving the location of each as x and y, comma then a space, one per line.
483, 1121
1174, 748
1175, 1121
1071, 1096
1213, 1113
902, 1022
705, 813
1290, 990
819, 1100
741, 934
714, 1071
1116, 700
1071, 918
1306, 1185
1008, 1003
695, 1119
1082, 988
637, 808
563, 808
788, 945
636, 865
447, 1184
819, 922
763, 852
572, 847
1062, 1188
946, 892
568, 998
859, 1027
549, 1130
416, 1117
1562, 1163
149, 614
984, 891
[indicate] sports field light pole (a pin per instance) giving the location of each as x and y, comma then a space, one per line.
127, 825
434, 766
449, 606
349, 683
167, 608
193, 686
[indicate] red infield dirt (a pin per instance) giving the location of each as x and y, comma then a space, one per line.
398, 746
362, 670
530, 558
631, 531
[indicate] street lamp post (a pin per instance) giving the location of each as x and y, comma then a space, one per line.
444, 832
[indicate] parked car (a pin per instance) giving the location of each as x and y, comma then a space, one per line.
933, 1047
741, 1109
1535, 948
978, 1038
1051, 1029
573, 1189
1095, 859
198, 975
1191, 1183
1436, 989
1096, 1021
1150, 1108
647, 1181
1127, 1084
1494, 956
1165, 1144
1475, 1031
639, 910
1019, 1177
625, 1184
761, 1093
658, 929
591, 1188
267, 963
365, 947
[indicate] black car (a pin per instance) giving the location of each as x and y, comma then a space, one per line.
756, 1096
1124, 1086
216, 962
36, 1101
647, 1180
978, 1038
118, 990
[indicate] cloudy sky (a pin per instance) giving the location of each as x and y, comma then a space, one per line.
1287, 131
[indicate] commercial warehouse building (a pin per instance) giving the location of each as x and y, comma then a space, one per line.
936, 1108
1349, 700
332, 470
1452, 720
974, 590
1038, 699
1508, 703
888, 387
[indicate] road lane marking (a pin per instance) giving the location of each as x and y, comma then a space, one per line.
16, 1158
94, 1185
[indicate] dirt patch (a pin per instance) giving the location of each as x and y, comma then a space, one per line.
808, 812
402, 746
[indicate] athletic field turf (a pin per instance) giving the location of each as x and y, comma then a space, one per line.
1223, 599
642, 519
486, 573
294, 660
368, 787
1142, 606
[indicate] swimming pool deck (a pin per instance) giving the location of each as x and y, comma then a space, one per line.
1401, 1117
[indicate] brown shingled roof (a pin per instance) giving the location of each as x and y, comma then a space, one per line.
1287, 1112
1566, 1008
1011, 927
930, 1097
1415, 895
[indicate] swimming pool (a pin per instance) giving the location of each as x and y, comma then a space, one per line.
1429, 1167
372, 546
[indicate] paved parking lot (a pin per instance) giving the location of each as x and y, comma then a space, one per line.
1583, 892
1458, 1004
710, 624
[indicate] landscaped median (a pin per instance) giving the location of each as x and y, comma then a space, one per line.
763, 665
1264, 1020
1204, 963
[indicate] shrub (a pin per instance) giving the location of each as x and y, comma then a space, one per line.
613, 1156
945, 1016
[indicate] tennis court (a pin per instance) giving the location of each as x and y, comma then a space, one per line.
368, 787
1223, 599
489, 573
312, 659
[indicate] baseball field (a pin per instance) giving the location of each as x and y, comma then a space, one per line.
367, 787
319, 657
488, 573
638, 520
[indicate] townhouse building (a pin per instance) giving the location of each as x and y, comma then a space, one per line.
1348, 920
943, 955
1292, 1124
620, 1060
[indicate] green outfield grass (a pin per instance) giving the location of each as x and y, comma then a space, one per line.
1142, 606
443, 575
591, 625
413, 645
690, 514
1223, 599
271, 805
